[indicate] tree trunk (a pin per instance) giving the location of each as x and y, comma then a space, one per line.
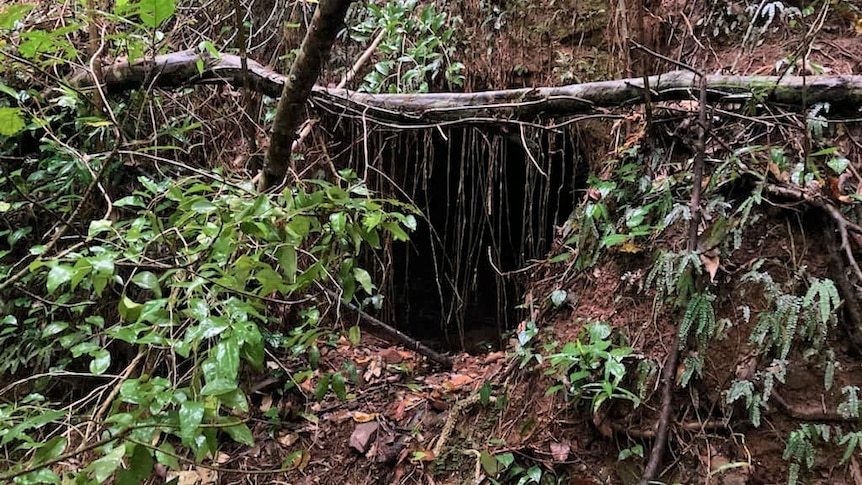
328, 19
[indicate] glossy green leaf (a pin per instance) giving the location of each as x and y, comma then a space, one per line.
239, 433
148, 281
99, 226
614, 240
338, 385
43, 475
558, 297
129, 310
364, 279
104, 467
50, 449
838, 164
191, 415
101, 361
218, 387
58, 275
337, 222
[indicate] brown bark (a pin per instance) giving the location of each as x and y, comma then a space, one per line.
179, 68
328, 19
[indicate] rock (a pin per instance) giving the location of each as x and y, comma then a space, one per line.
360, 440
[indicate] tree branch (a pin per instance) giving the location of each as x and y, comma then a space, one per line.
180, 68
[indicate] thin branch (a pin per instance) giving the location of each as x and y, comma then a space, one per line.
180, 68
669, 371
397, 335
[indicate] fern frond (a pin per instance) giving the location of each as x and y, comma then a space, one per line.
849, 408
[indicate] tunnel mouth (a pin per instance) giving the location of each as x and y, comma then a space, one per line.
489, 202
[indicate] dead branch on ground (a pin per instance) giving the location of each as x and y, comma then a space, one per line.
180, 68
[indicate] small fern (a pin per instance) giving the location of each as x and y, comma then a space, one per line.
800, 448
852, 441
775, 372
670, 276
822, 299
740, 389
809, 316
849, 408
693, 364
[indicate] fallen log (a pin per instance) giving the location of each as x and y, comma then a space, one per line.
189, 67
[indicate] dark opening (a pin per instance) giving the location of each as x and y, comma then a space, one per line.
491, 208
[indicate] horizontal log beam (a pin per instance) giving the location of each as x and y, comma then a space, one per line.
182, 68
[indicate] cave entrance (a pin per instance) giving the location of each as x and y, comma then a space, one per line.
491, 202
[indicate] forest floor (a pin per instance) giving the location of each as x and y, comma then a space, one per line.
403, 413
505, 413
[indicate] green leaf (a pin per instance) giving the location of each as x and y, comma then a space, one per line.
203, 206
54, 328
130, 201
269, 280
226, 355
354, 335
322, 387
506, 459
12, 14
396, 231
235, 401
11, 121
101, 361
313, 356
51, 449
337, 222
287, 261
338, 385
560, 258
99, 226
105, 466
838, 164
148, 281
364, 279
154, 12
139, 469
218, 386
43, 475
614, 239
129, 310
166, 455
191, 416
239, 433
558, 297
58, 275
489, 464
